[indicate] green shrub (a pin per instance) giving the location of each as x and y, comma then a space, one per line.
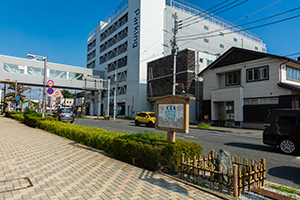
204, 126
19, 117
146, 150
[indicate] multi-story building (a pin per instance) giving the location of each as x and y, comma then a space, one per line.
139, 31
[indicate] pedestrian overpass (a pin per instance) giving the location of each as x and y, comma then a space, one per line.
31, 72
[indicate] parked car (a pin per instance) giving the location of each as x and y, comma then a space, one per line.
282, 129
147, 118
64, 115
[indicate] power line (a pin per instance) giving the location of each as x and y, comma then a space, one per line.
257, 11
214, 14
243, 24
267, 24
206, 10
293, 54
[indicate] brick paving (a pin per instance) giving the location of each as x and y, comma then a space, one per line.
59, 168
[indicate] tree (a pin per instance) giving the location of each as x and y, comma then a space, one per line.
11, 95
67, 94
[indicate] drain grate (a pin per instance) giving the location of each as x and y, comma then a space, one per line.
15, 184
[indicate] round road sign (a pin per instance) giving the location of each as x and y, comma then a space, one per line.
50, 83
50, 91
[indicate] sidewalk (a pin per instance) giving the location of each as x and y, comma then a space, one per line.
35, 164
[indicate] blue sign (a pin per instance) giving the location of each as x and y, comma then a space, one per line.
17, 98
50, 91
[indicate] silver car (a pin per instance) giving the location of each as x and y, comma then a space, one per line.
64, 115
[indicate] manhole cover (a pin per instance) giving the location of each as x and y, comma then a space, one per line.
15, 184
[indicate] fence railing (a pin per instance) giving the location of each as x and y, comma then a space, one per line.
241, 176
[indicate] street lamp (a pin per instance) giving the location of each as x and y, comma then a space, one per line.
45, 78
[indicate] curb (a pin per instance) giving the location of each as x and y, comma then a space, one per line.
220, 195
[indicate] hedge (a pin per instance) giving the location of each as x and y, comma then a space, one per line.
147, 150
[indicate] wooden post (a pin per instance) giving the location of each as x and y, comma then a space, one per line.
229, 181
189, 169
235, 181
212, 156
195, 169
255, 176
220, 179
249, 178
182, 166
240, 181
203, 171
170, 136
212, 183
244, 179
263, 161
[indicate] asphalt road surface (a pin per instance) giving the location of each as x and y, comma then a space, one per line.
281, 169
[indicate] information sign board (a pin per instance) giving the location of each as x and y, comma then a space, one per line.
170, 116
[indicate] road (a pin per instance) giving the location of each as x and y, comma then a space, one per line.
282, 169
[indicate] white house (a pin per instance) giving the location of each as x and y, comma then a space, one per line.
242, 85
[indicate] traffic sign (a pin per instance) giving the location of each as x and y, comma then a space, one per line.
50, 83
50, 91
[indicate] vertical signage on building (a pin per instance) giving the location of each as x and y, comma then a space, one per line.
136, 28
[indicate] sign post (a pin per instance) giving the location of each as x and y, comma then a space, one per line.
172, 115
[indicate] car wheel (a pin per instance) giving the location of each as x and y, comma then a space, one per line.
149, 124
71, 122
288, 146
137, 123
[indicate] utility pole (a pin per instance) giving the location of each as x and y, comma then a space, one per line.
115, 96
16, 88
174, 52
40, 97
29, 100
108, 95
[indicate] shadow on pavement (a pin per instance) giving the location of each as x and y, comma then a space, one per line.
287, 173
252, 146
174, 187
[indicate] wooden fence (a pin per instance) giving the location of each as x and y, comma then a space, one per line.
240, 177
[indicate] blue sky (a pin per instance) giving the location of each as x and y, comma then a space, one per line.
59, 29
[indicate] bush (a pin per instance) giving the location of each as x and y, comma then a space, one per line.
145, 150
204, 126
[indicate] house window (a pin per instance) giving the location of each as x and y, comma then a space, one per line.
222, 46
257, 74
222, 34
206, 40
233, 78
256, 48
206, 28
261, 101
292, 74
201, 60
234, 39
209, 61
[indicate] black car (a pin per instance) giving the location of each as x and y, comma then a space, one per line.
64, 115
282, 129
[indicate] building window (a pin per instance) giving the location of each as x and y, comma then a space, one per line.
234, 39
257, 74
222, 34
222, 46
35, 71
233, 78
13, 68
256, 48
206, 40
263, 49
206, 27
261, 101
201, 60
209, 61
292, 74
